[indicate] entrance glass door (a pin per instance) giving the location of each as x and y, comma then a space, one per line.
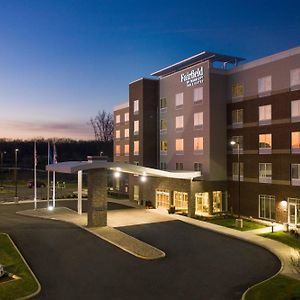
292, 214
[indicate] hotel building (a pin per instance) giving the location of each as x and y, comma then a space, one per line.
184, 118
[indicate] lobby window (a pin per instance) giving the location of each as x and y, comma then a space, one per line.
163, 147
265, 143
117, 150
179, 145
266, 207
198, 95
136, 147
163, 165
295, 79
126, 149
163, 103
179, 122
197, 166
163, 125
295, 174
198, 120
237, 90
295, 142
235, 171
118, 119
198, 145
136, 125
239, 142
117, 134
265, 114
126, 117
179, 100
180, 200
295, 110
237, 118
264, 86
265, 172
136, 107
179, 166
126, 133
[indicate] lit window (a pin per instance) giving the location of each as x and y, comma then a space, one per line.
180, 200
163, 103
239, 143
264, 85
117, 150
266, 207
136, 148
265, 114
118, 118
117, 134
198, 95
237, 90
163, 146
265, 172
235, 171
265, 143
198, 120
179, 122
296, 142
126, 149
179, 166
126, 117
295, 78
179, 145
136, 127
198, 144
163, 124
126, 133
135, 106
295, 174
237, 117
179, 100
197, 166
295, 110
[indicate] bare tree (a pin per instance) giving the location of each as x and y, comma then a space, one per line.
103, 125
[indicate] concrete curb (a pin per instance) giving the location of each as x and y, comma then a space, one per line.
33, 275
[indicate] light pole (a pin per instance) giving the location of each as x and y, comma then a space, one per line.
239, 221
16, 175
1, 159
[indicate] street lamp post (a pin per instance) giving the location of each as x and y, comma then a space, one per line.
16, 175
2, 172
239, 221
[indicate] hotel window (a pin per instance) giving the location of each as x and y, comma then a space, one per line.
179, 145
163, 147
265, 172
265, 143
126, 133
265, 114
239, 143
237, 90
266, 207
179, 166
136, 147
179, 100
264, 85
198, 120
295, 110
163, 165
117, 150
235, 171
295, 174
237, 118
117, 134
163, 125
198, 145
180, 200
118, 118
136, 127
136, 107
126, 149
163, 103
295, 78
295, 142
197, 166
198, 95
179, 122
126, 117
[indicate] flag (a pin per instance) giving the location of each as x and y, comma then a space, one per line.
54, 154
50, 158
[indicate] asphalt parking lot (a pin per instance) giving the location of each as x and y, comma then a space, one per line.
73, 264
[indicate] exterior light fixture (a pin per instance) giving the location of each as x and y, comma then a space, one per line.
117, 174
232, 143
143, 178
50, 208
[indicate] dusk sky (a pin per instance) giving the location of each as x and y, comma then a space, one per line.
62, 61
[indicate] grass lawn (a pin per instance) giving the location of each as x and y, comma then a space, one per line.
284, 237
13, 263
278, 288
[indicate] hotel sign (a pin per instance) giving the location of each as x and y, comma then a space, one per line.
193, 77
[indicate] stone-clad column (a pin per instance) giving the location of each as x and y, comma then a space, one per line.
97, 198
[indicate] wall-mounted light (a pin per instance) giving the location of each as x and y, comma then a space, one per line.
50, 208
143, 177
117, 174
283, 204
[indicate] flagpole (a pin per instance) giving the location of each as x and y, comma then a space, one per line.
48, 176
35, 163
53, 188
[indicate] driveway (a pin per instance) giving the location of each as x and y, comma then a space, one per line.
73, 264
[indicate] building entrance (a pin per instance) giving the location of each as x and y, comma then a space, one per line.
294, 211
202, 203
